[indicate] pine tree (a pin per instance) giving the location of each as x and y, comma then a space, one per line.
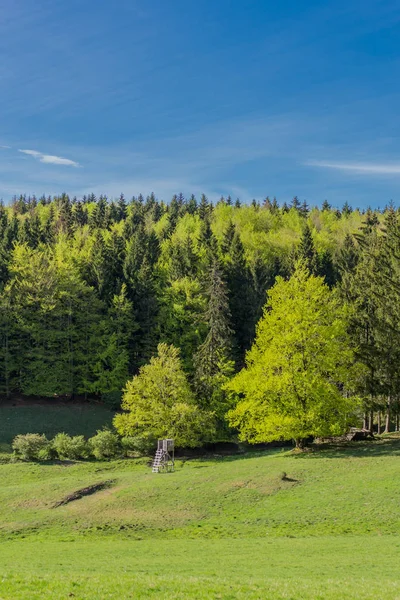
295, 203
111, 363
303, 209
306, 250
122, 208
65, 218
98, 217
213, 360
274, 206
325, 206
141, 278
192, 205
346, 210
326, 268
79, 215
241, 297
204, 209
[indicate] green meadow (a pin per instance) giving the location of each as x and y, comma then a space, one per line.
273, 524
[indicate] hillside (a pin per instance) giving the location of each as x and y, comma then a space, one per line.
219, 527
50, 417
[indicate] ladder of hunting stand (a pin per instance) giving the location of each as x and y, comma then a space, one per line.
157, 460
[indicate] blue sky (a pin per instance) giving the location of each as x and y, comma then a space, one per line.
247, 98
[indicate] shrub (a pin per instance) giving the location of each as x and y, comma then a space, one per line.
142, 444
30, 446
47, 452
72, 448
105, 444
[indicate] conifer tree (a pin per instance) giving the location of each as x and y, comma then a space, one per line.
306, 250
192, 205
295, 203
111, 362
325, 206
204, 208
65, 217
241, 297
274, 206
213, 360
79, 215
346, 209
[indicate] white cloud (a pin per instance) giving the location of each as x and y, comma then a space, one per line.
50, 159
360, 168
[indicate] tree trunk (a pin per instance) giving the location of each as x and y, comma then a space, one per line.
387, 423
371, 422
7, 375
365, 421
397, 422
379, 422
299, 443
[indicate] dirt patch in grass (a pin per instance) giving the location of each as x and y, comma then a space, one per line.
87, 491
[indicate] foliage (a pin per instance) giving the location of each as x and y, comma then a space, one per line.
73, 448
90, 286
30, 446
141, 444
300, 371
104, 445
159, 401
213, 360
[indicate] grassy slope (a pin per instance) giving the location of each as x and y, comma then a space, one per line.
221, 528
48, 418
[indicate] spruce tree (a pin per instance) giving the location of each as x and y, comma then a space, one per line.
325, 206
306, 250
204, 209
213, 360
192, 205
241, 297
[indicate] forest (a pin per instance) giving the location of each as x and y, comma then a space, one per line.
120, 300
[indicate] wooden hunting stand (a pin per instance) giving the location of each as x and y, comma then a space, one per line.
164, 459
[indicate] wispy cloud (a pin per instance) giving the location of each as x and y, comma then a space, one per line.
50, 158
358, 168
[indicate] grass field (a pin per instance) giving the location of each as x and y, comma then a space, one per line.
221, 527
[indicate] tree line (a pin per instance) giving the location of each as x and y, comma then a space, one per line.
90, 288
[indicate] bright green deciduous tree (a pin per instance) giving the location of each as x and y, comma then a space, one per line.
300, 368
159, 402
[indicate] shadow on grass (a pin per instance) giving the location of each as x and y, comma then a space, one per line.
369, 449
241, 455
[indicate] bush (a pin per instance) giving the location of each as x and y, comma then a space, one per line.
72, 448
142, 444
47, 453
31, 446
105, 444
